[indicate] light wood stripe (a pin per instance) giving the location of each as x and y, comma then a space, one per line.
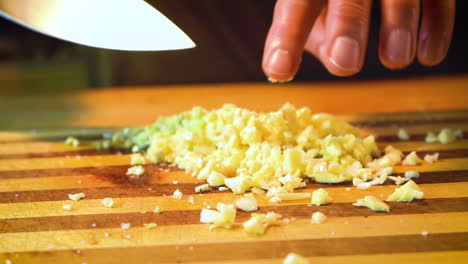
61, 162
371, 226
147, 255
38, 147
137, 204
446, 257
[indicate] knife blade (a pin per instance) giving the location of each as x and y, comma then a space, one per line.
111, 24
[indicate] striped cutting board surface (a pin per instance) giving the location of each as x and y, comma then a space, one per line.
37, 172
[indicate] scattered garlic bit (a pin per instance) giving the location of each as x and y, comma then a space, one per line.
258, 223
137, 159
72, 141
392, 157
406, 193
246, 149
412, 174
223, 188
7, 261
256, 190
320, 197
136, 170
224, 217
157, 210
379, 180
67, 207
125, 226
363, 185
108, 202
357, 181
398, 180
292, 196
175, 182
216, 179
403, 134
431, 137
76, 196
458, 133
239, 184
177, 194
424, 233
386, 171
412, 159
373, 203
128, 236
431, 158
150, 225
191, 200
202, 188
293, 258
446, 136
318, 218
248, 203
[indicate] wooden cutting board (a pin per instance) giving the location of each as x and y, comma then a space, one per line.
37, 172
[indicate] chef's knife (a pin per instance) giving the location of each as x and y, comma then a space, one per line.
110, 24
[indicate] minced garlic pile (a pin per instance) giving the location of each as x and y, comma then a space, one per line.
244, 149
241, 150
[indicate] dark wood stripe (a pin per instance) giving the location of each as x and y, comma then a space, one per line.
387, 123
55, 138
141, 188
113, 173
258, 249
413, 137
452, 153
185, 217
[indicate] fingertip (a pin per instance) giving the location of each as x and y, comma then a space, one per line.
343, 58
280, 65
432, 52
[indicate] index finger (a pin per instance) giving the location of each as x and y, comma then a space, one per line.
292, 22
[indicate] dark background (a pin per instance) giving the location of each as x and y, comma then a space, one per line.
229, 37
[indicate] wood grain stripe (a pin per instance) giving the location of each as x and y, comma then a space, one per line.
43, 167
447, 257
84, 182
115, 173
452, 153
396, 226
125, 204
97, 180
423, 146
145, 256
156, 184
186, 217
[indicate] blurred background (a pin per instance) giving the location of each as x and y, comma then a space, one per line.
229, 37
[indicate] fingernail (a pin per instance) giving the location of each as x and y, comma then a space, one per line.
433, 50
398, 48
345, 53
280, 62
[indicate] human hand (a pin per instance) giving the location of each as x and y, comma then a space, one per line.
336, 33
